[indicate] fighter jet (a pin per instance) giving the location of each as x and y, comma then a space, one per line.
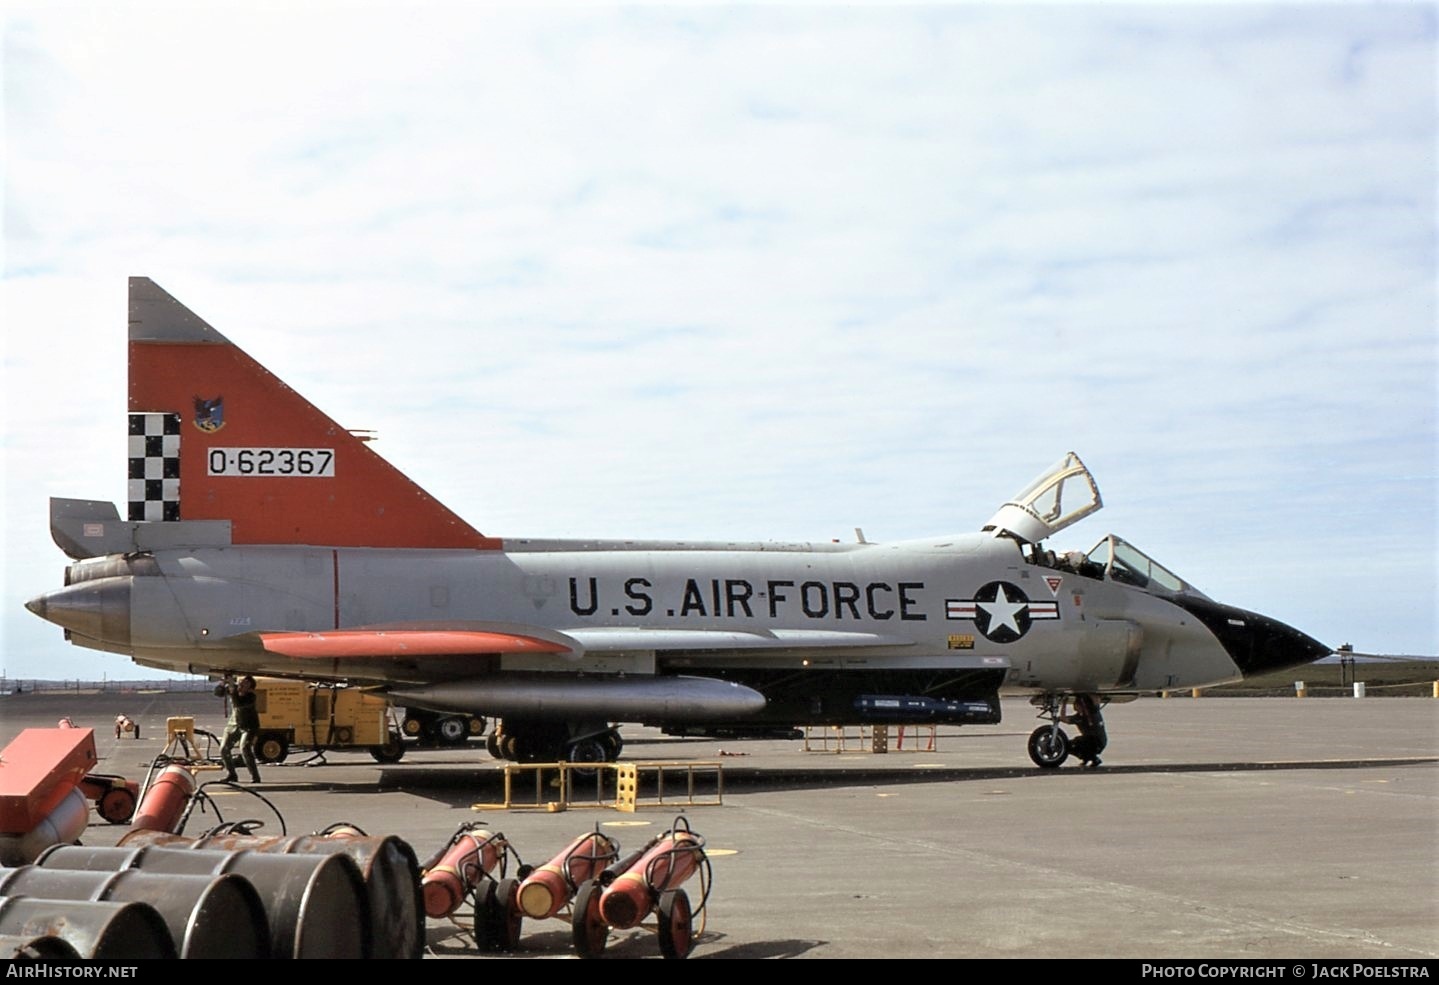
261, 537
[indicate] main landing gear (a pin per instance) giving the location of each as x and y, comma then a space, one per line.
1050, 745
528, 742
441, 729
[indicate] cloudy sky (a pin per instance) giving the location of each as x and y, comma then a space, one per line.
764, 272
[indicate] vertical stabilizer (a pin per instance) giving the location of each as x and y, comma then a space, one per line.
216, 436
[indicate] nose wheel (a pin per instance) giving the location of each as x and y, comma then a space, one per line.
1048, 744
1048, 747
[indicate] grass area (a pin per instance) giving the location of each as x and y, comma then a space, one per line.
1399, 678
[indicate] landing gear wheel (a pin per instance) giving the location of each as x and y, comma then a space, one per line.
413, 727
588, 930
614, 745
591, 750
272, 748
1048, 747
392, 751
498, 918
492, 745
452, 731
476, 727
676, 925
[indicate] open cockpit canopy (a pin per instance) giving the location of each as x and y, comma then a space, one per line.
1060, 496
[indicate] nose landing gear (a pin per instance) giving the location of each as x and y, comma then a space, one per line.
1049, 744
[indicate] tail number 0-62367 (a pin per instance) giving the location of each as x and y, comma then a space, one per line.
305, 463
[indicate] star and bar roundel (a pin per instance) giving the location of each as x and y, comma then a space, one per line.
1001, 611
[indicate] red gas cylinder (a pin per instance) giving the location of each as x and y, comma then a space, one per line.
552, 885
672, 860
164, 800
460, 869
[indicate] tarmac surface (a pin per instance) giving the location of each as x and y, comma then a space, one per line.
1216, 828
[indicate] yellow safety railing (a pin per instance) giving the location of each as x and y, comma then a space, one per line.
613, 786
871, 739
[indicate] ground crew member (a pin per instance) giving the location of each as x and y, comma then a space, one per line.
243, 726
1093, 736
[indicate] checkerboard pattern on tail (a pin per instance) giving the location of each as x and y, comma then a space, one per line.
154, 466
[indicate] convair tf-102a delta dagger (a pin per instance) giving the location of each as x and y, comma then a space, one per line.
263, 538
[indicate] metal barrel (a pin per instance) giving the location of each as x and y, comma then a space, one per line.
387, 865
144, 837
97, 931
87, 857
207, 916
391, 874
28, 948
316, 904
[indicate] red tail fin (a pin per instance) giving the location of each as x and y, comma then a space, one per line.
216, 436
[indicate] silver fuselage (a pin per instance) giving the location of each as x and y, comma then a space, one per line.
645, 608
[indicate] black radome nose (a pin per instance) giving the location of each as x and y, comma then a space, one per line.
1257, 644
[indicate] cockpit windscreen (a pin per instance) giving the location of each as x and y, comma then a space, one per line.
1123, 562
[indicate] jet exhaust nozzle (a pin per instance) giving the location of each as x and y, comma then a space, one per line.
98, 610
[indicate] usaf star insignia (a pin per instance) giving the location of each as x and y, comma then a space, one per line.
1001, 611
